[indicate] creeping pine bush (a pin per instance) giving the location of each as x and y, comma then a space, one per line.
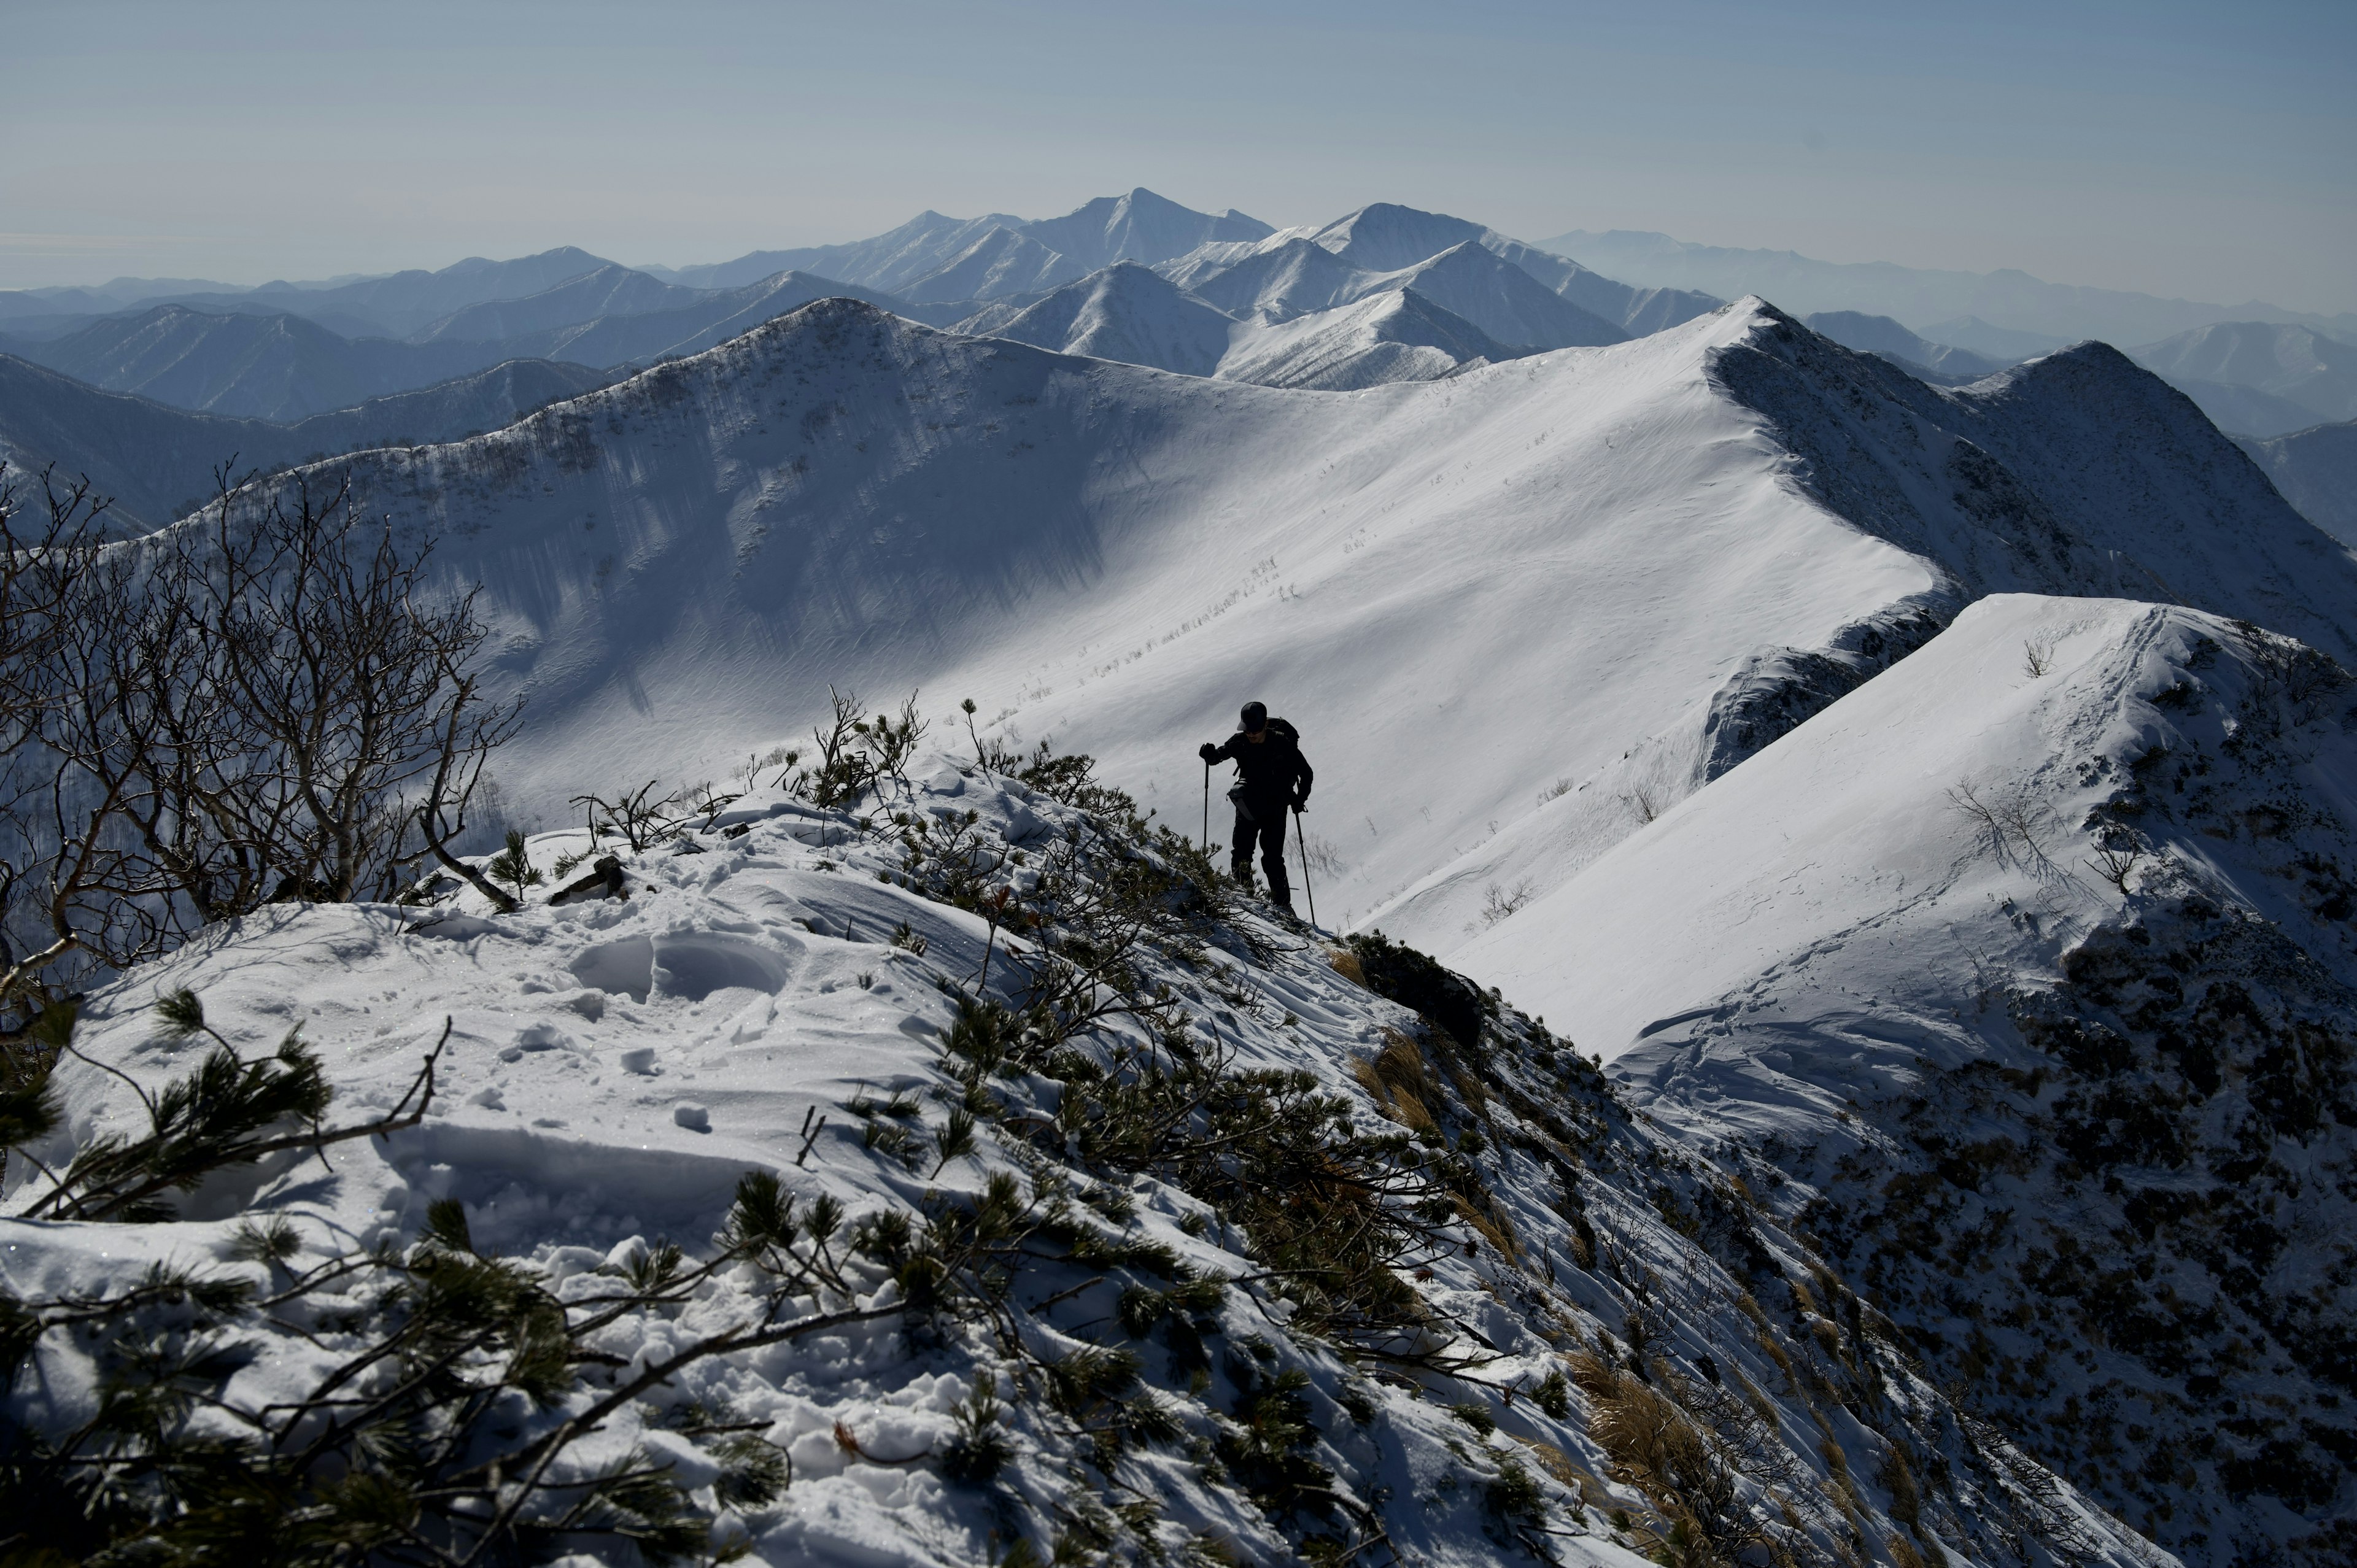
442, 1414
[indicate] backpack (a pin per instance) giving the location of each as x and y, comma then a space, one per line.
1236, 791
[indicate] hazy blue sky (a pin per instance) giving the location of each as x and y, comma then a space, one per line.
2208, 151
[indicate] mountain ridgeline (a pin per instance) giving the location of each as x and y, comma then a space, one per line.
1918, 774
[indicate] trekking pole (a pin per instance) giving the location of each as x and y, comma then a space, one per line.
1304, 842
1207, 808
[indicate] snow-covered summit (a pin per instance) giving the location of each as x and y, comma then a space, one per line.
1140, 227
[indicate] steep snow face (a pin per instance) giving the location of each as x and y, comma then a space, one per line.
2028, 970
1502, 299
1136, 315
777, 993
2139, 474
999, 262
891, 261
1124, 313
1286, 278
1384, 237
1390, 337
2077, 474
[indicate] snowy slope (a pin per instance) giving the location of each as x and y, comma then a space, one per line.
1139, 227
999, 262
1499, 298
1393, 335
1882, 935
615, 1067
1385, 236
1594, 566
1639, 311
1281, 279
1129, 313
1118, 557
1125, 312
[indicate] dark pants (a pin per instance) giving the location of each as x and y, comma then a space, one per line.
1266, 824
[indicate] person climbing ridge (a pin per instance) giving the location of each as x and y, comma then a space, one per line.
1271, 776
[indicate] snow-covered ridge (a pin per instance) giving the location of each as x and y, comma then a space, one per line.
2024, 976
614, 1067
1552, 571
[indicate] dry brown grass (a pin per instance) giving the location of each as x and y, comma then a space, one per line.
1398, 1082
1494, 1229
1345, 963
1657, 1449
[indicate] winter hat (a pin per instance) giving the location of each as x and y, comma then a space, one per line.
1256, 716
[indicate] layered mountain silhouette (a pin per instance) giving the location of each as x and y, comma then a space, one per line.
2013, 300
157, 463
2261, 377
2316, 469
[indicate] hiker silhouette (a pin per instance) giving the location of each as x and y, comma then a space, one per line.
1271, 776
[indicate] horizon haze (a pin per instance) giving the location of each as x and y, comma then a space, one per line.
2165, 151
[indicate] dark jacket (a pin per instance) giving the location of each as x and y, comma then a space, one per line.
1271, 774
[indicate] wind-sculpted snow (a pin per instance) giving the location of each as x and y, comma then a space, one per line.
1613, 1349
2024, 976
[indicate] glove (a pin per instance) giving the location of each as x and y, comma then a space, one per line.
1209, 752
1300, 804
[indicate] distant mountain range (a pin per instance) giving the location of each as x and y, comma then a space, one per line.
2316, 470
1881, 335
2011, 300
1383, 294
289, 351
2261, 378
157, 462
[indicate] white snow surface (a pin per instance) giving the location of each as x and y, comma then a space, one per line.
1468, 592
1832, 956
1835, 884
614, 1066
